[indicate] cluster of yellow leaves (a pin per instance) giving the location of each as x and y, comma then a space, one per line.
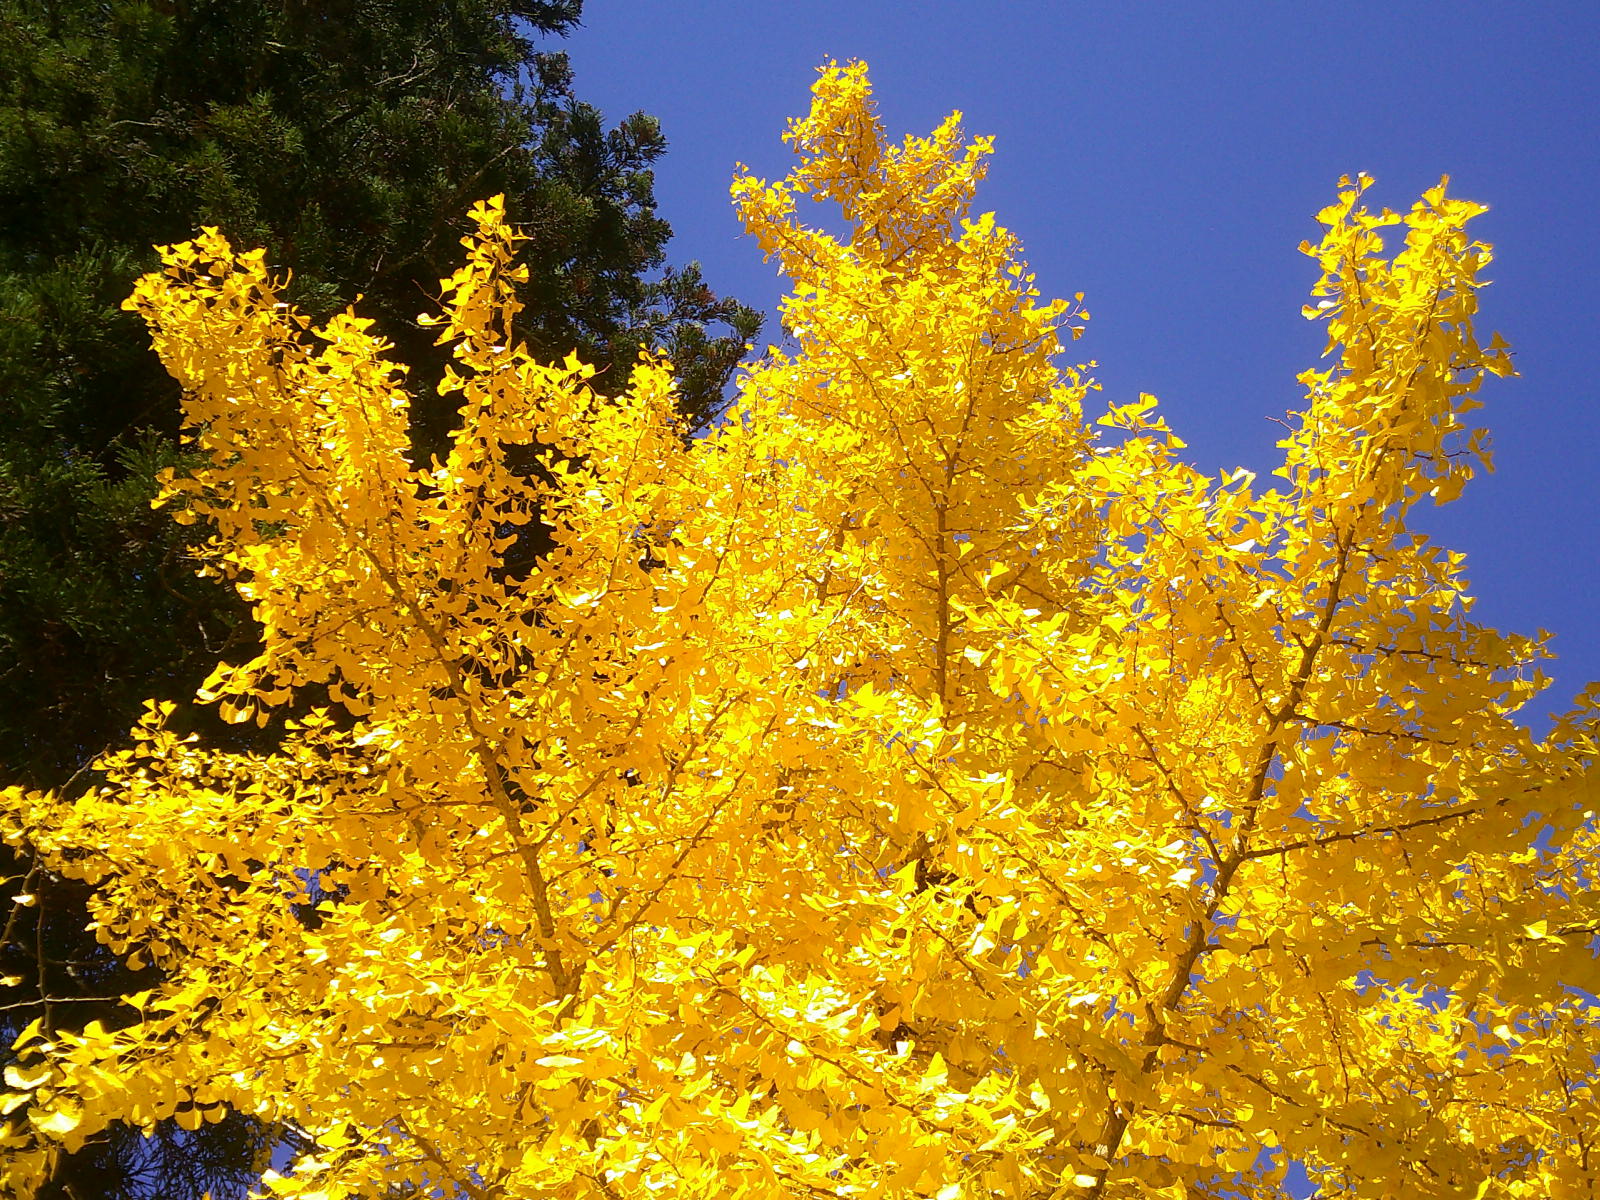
900, 792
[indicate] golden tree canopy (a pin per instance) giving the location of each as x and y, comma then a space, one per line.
905, 791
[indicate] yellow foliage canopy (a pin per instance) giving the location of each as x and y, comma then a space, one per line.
904, 791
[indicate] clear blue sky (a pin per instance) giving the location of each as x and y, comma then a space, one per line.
1166, 160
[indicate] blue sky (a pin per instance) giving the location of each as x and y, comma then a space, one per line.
1166, 160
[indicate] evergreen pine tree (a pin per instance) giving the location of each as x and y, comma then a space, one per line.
349, 135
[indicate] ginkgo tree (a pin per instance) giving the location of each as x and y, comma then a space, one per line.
907, 790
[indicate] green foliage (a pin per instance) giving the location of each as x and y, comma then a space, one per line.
348, 135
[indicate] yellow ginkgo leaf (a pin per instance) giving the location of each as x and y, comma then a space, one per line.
904, 789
